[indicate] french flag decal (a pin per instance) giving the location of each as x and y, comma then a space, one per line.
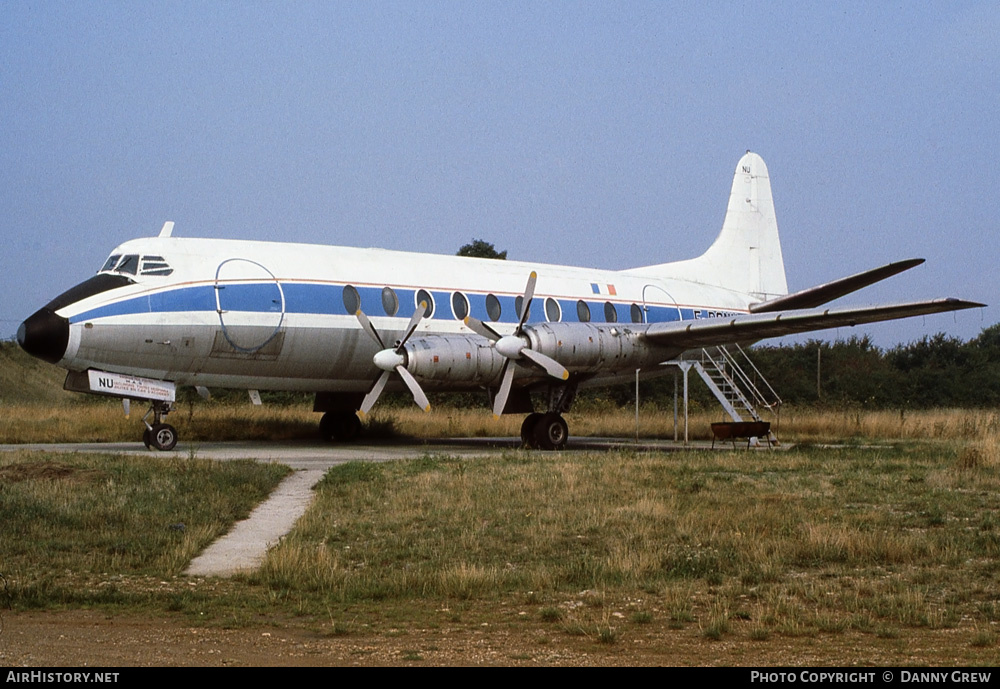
603, 289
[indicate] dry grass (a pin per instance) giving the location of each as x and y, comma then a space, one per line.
88, 420
798, 543
92, 514
792, 425
884, 540
803, 425
105, 421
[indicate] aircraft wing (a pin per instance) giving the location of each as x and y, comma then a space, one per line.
715, 331
822, 294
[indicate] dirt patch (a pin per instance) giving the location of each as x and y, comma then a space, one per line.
95, 639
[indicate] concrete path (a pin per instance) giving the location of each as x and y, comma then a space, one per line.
243, 548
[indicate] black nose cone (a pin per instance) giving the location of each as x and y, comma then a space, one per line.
44, 335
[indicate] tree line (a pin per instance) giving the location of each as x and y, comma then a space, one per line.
935, 371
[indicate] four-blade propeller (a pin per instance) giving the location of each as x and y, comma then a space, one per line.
513, 347
516, 346
391, 359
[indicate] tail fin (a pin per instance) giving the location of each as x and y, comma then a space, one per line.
746, 256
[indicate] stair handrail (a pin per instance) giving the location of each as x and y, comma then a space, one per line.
737, 379
763, 400
733, 391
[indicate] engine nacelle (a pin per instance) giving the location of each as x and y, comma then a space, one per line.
594, 347
580, 347
453, 358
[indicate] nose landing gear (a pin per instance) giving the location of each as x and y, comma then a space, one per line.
159, 435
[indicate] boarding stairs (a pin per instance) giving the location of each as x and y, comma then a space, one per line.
737, 383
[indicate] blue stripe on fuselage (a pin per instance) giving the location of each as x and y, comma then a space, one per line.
320, 299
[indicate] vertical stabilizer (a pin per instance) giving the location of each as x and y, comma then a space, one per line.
746, 256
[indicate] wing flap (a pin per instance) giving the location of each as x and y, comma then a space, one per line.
752, 327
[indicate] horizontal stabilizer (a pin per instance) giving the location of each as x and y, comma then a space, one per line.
715, 331
823, 294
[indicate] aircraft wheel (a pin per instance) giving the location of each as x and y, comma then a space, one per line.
163, 437
528, 430
147, 438
551, 432
340, 426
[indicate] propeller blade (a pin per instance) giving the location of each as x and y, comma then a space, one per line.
387, 359
480, 328
372, 397
551, 366
529, 293
415, 319
418, 394
500, 401
369, 328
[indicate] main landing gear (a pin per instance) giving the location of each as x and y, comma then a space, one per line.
546, 431
549, 431
342, 426
160, 435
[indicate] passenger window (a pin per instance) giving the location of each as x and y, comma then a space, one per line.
553, 313
493, 307
583, 311
352, 300
390, 302
425, 296
636, 312
459, 305
610, 315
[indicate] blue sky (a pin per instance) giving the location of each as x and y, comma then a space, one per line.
598, 134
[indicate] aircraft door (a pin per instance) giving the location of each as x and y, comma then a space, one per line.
251, 305
658, 305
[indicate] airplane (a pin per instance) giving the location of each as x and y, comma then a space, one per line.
348, 323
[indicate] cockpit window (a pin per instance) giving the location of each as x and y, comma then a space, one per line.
133, 264
155, 265
112, 262
129, 264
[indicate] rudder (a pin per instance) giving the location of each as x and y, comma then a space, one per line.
746, 256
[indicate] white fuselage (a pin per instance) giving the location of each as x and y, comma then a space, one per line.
279, 316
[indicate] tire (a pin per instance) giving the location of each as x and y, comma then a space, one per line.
349, 429
326, 427
528, 431
551, 432
341, 427
147, 438
163, 437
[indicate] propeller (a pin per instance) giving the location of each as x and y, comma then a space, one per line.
391, 359
516, 346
